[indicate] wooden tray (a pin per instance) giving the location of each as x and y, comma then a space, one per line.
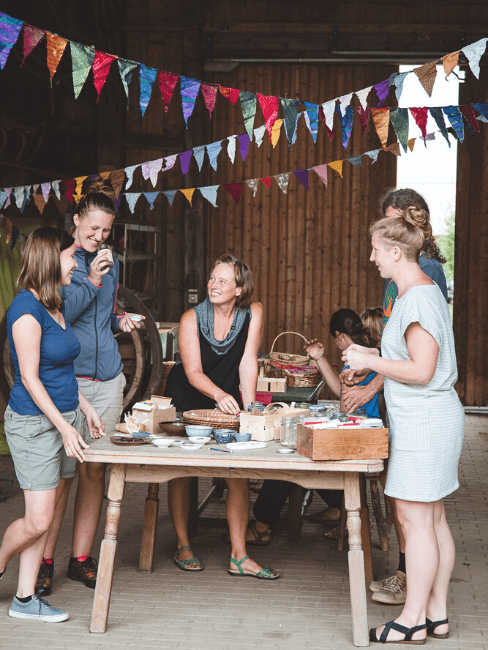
129, 442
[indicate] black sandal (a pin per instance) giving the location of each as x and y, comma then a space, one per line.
258, 536
407, 631
431, 626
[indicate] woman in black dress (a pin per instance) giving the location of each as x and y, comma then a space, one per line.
219, 341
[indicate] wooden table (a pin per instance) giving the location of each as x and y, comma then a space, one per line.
153, 465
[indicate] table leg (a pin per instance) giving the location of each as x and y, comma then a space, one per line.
366, 531
103, 589
357, 585
149, 527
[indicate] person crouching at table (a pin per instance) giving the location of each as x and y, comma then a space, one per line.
218, 341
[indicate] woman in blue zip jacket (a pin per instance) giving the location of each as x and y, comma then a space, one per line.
90, 308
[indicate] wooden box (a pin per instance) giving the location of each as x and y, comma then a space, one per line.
266, 425
342, 444
151, 412
271, 385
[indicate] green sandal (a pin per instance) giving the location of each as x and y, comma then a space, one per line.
183, 564
265, 574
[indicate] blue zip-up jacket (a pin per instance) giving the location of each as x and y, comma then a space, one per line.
90, 310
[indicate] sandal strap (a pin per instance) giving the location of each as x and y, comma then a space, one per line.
192, 560
264, 573
238, 564
258, 536
407, 631
183, 548
431, 625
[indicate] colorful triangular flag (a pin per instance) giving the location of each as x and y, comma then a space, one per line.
126, 68
32, 36
473, 53
232, 94
55, 48
101, 68
381, 119
302, 175
209, 97
81, 60
321, 171
147, 76
269, 106
9, 33
337, 166
189, 91
210, 193
282, 180
235, 190
167, 83
248, 106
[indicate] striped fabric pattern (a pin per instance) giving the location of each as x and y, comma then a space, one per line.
426, 421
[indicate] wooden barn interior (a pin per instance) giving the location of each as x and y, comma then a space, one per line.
308, 250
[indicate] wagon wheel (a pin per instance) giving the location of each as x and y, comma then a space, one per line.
151, 350
131, 348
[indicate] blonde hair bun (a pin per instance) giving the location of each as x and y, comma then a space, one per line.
418, 218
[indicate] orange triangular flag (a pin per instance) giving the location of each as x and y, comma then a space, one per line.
275, 132
105, 175
427, 74
117, 179
381, 119
337, 166
394, 148
450, 61
55, 48
40, 203
411, 144
79, 184
188, 193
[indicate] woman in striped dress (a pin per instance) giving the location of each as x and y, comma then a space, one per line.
426, 423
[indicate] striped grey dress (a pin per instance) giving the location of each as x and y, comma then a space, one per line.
426, 421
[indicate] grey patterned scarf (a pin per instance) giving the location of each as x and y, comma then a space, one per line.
205, 321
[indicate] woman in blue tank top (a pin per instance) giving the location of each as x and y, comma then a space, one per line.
43, 419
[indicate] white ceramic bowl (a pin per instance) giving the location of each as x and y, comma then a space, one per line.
199, 440
198, 430
162, 442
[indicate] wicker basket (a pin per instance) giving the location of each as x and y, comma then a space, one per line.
278, 362
212, 418
311, 378
167, 366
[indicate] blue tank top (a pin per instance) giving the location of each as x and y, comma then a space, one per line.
371, 407
59, 348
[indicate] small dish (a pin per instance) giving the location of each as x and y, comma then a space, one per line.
188, 446
223, 436
162, 442
199, 440
246, 446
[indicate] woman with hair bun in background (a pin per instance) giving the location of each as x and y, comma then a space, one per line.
426, 422
90, 308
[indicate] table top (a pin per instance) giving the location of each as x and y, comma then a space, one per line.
105, 451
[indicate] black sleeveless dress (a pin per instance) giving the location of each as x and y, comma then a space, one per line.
222, 369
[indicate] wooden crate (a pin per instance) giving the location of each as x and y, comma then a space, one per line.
266, 426
271, 385
342, 444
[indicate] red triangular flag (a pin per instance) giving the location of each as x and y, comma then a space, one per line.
363, 114
210, 97
69, 188
101, 67
420, 117
32, 36
232, 94
235, 190
267, 182
167, 83
469, 116
269, 106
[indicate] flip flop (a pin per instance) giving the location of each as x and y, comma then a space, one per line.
258, 536
183, 564
265, 574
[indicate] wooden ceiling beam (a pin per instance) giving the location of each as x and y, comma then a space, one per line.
349, 28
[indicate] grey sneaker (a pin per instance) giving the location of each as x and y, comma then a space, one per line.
378, 585
37, 608
394, 591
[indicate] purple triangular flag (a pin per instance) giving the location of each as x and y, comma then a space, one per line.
189, 90
382, 90
9, 33
244, 142
185, 158
302, 175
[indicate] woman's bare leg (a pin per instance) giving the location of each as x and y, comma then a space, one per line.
179, 509
88, 506
437, 603
57, 522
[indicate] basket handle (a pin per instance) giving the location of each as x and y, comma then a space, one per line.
283, 404
296, 334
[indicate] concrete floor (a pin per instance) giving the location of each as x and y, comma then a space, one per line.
308, 608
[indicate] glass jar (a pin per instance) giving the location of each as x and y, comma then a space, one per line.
110, 260
285, 431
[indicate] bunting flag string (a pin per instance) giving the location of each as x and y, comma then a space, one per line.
151, 169
86, 58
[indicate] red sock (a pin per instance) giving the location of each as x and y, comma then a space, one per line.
47, 560
82, 558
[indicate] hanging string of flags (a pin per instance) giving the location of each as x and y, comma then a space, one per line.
86, 58
22, 194
459, 118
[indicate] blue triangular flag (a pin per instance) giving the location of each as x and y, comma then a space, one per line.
151, 197
170, 195
199, 153
210, 193
147, 77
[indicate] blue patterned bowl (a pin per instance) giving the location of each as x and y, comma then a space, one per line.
224, 436
242, 437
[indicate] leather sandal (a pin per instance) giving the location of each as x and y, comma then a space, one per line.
431, 626
258, 536
265, 574
408, 632
183, 564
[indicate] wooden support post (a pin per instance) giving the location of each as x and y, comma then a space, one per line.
357, 585
108, 549
149, 527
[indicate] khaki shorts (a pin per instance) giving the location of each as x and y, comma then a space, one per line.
107, 398
37, 449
